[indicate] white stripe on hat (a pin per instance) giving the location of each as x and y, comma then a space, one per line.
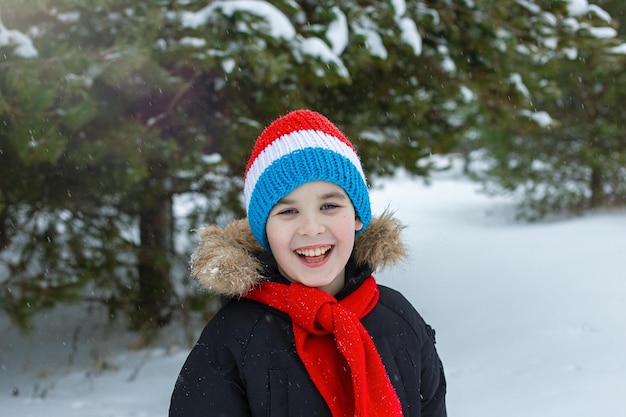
297, 140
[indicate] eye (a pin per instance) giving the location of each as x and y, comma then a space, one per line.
287, 211
329, 206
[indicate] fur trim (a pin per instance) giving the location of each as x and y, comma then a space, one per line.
225, 262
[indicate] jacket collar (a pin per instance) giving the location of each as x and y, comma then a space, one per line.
230, 262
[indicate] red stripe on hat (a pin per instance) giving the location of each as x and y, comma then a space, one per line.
296, 120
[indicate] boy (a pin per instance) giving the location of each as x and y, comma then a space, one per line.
307, 331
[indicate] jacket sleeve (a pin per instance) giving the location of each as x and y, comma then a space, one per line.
433, 386
209, 385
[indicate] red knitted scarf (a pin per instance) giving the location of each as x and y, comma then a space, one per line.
336, 349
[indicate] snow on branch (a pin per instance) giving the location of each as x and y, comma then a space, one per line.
23, 45
408, 29
582, 7
278, 25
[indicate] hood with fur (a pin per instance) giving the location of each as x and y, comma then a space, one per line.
226, 260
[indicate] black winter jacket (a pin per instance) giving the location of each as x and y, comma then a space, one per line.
245, 362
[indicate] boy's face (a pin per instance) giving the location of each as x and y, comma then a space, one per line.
311, 234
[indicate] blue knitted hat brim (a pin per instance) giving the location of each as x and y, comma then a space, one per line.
300, 167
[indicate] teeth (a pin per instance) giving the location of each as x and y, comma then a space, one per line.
313, 252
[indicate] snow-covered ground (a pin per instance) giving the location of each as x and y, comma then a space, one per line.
530, 319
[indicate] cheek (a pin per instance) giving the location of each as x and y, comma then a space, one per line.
277, 237
347, 228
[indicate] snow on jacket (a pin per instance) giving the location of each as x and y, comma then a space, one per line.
245, 362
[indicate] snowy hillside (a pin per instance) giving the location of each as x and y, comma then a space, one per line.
530, 319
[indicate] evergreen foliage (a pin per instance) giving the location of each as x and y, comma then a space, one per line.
576, 161
122, 108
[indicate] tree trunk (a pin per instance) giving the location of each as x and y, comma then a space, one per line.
154, 301
597, 191
4, 238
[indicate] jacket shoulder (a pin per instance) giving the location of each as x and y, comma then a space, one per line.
234, 322
394, 301
213, 378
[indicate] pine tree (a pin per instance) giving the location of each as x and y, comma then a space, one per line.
575, 161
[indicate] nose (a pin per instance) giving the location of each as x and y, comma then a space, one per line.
311, 225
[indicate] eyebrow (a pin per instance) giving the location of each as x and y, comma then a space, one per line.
333, 194
327, 196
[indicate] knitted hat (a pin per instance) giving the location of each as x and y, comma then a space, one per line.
301, 147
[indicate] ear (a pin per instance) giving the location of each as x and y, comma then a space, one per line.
358, 224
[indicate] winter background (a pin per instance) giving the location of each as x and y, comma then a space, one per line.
530, 318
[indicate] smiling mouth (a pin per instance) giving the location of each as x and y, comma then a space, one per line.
314, 254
